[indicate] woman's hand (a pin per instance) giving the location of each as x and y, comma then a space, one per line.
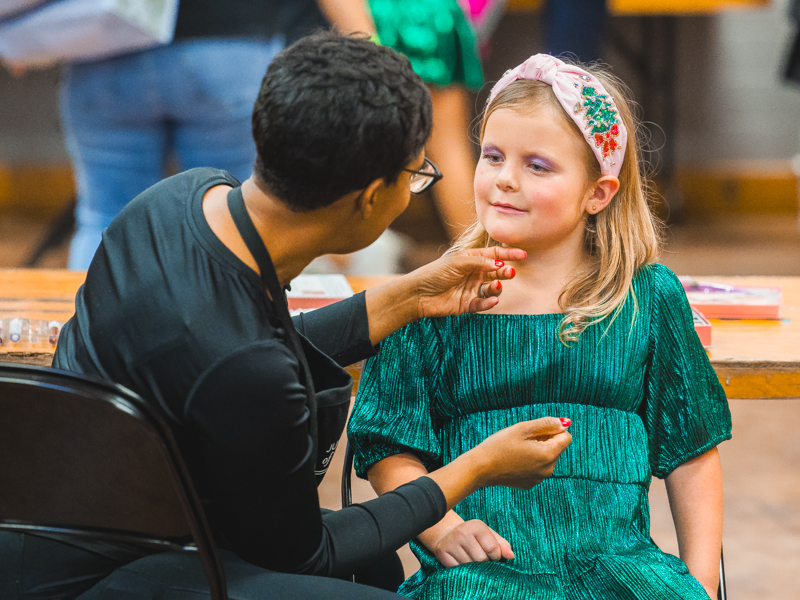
471, 541
454, 284
523, 455
520, 456
469, 281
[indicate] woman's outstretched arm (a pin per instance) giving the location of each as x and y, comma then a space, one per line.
695, 497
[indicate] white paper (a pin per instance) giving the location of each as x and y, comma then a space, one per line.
320, 286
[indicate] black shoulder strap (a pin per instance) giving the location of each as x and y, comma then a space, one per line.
269, 277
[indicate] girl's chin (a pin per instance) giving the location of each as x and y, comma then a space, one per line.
507, 236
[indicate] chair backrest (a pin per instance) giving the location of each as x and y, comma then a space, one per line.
89, 458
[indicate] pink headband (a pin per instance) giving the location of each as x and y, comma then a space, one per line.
578, 92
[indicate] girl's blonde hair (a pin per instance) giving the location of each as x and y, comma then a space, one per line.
619, 239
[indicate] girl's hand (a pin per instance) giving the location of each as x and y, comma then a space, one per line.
469, 281
471, 541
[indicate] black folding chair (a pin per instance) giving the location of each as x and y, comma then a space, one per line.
347, 500
93, 460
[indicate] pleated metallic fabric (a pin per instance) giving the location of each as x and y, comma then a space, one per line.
642, 397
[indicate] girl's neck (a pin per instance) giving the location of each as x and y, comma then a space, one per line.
541, 278
545, 265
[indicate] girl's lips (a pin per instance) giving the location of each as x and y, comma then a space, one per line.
508, 210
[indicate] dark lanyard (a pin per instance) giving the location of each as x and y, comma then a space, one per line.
280, 308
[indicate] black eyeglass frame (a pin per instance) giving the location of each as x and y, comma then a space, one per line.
432, 177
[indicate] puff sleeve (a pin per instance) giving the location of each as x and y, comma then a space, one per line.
393, 410
685, 410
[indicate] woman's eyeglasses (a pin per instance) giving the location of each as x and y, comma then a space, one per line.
424, 178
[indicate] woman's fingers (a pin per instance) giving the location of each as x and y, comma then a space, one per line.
492, 288
482, 304
525, 454
500, 253
544, 427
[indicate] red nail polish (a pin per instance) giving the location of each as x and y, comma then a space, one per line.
499, 263
513, 272
499, 285
565, 421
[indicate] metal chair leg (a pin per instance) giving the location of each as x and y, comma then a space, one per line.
347, 492
722, 590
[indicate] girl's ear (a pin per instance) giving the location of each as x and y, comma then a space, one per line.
365, 203
604, 191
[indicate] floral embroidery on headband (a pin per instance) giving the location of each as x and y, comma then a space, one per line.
600, 117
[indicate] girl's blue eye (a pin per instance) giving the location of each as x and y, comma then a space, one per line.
493, 158
537, 168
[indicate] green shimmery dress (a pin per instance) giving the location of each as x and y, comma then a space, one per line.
642, 397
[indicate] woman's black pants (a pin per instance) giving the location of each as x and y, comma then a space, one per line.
37, 568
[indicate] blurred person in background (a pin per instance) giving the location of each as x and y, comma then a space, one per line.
575, 27
125, 117
442, 46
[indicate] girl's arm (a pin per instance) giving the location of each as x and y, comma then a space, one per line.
695, 498
452, 540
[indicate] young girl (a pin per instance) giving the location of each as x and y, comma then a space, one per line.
589, 328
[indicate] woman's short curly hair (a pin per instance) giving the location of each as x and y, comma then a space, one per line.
333, 114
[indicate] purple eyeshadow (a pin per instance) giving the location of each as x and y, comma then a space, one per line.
540, 161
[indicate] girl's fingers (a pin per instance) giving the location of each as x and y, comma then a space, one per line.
490, 542
475, 551
447, 560
495, 545
505, 549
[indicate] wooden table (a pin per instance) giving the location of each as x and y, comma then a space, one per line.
753, 359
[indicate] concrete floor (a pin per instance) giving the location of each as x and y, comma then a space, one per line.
761, 464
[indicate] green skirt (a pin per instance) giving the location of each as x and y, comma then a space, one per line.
434, 35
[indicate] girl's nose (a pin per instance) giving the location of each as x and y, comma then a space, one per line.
507, 179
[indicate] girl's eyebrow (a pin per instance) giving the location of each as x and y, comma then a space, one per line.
490, 148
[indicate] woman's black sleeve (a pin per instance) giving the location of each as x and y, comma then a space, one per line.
340, 330
248, 413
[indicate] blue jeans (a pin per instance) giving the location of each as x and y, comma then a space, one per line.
124, 117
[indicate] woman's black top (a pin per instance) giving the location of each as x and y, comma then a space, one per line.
170, 312
247, 18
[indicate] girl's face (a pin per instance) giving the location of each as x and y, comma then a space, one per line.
531, 183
